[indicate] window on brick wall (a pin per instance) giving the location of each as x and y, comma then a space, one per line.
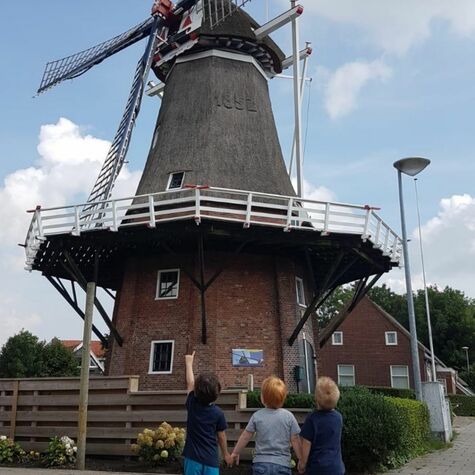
161, 357
337, 338
346, 375
300, 291
168, 283
391, 338
400, 377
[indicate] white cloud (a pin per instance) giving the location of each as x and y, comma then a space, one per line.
312, 192
449, 248
343, 86
395, 27
65, 172
69, 162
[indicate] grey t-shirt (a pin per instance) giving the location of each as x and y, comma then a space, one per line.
273, 428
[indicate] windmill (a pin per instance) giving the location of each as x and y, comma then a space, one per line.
171, 31
215, 247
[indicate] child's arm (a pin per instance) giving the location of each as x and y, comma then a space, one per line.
244, 439
305, 450
190, 377
296, 445
223, 445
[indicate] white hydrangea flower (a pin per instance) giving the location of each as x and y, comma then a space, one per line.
3, 437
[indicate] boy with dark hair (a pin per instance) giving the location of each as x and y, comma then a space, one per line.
205, 425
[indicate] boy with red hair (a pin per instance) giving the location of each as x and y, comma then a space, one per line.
276, 429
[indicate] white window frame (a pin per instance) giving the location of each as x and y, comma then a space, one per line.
157, 290
170, 177
386, 338
407, 375
339, 373
334, 341
299, 283
152, 347
443, 381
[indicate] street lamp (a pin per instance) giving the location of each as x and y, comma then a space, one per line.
410, 166
468, 361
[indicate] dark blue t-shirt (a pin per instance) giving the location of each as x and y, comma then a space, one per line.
323, 430
202, 424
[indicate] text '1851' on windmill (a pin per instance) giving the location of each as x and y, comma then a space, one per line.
214, 250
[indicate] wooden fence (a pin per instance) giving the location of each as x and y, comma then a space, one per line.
34, 410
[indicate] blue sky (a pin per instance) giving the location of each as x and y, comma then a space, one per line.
390, 79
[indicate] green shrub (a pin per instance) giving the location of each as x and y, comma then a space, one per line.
463, 405
61, 452
393, 392
10, 451
157, 447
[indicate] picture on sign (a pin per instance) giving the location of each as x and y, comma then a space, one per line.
247, 357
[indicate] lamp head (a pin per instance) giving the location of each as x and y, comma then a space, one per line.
412, 165
465, 348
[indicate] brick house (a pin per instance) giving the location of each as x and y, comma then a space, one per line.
370, 347
97, 354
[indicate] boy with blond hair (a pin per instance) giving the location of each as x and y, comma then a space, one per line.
276, 430
321, 433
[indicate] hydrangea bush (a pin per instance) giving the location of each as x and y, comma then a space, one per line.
10, 451
157, 447
61, 451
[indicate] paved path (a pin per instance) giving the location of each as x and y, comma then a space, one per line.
457, 460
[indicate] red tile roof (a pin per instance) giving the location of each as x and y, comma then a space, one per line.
96, 346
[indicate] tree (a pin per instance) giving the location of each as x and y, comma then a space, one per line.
21, 356
24, 356
59, 360
334, 304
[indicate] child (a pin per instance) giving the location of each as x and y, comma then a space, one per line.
275, 428
205, 424
321, 433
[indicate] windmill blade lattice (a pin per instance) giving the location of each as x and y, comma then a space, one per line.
216, 11
115, 158
77, 64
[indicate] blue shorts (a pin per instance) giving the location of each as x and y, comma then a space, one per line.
196, 468
267, 468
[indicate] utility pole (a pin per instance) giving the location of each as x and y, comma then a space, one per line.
84, 383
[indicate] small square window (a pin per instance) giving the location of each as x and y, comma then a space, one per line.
300, 291
175, 181
161, 357
168, 284
400, 377
346, 375
337, 338
391, 338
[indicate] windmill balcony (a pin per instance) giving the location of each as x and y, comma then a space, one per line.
198, 203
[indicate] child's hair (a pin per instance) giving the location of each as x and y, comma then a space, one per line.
327, 393
207, 388
273, 392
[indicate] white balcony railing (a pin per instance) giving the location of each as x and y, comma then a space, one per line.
248, 208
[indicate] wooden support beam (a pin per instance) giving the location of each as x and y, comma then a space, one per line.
360, 292
16, 385
76, 308
75, 272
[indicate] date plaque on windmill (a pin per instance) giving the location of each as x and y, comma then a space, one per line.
247, 357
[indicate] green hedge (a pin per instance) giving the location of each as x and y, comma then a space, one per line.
378, 431
463, 405
393, 392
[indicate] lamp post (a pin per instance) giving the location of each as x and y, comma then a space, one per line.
410, 166
468, 361
426, 293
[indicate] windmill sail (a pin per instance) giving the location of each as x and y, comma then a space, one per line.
73, 66
216, 11
118, 150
